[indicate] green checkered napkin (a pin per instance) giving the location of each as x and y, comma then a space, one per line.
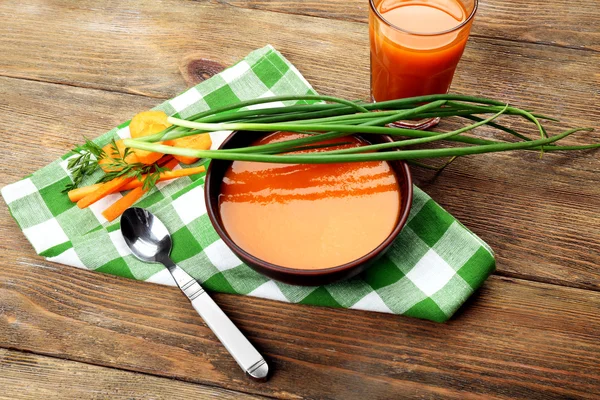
431, 269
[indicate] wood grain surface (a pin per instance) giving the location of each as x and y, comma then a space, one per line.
25, 376
514, 339
559, 23
533, 331
113, 48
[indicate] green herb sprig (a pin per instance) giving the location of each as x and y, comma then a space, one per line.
86, 162
83, 163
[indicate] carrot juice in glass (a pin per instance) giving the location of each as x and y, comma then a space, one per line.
416, 46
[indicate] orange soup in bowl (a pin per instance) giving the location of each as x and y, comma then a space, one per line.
309, 216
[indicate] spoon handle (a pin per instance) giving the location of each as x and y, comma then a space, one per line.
244, 353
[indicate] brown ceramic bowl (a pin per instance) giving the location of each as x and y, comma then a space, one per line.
294, 276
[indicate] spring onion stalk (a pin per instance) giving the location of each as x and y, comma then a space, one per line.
498, 126
338, 109
377, 120
381, 119
569, 148
294, 115
296, 127
322, 158
300, 144
265, 100
397, 115
321, 121
343, 107
291, 127
515, 111
227, 109
410, 142
391, 104
438, 169
300, 109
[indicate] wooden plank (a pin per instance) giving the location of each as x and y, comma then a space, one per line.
46, 120
555, 22
539, 215
515, 339
84, 45
25, 376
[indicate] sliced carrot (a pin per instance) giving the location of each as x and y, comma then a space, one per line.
110, 155
197, 142
104, 190
147, 123
146, 157
76, 195
119, 207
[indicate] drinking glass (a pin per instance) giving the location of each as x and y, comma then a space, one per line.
418, 60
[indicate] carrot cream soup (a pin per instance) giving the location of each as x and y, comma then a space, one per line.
308, 216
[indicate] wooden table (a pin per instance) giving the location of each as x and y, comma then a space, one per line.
533, 331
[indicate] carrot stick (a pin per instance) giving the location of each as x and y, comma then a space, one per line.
119, 207
77, 194
164, 176
104, 190
197, 142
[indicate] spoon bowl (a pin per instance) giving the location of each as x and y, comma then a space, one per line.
146, 235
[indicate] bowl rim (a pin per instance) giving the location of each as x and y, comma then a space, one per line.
400, 223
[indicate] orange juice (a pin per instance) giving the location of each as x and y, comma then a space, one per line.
307, 216
416, 45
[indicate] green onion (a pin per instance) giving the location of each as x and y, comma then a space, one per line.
323, 121
411, 142
324, 158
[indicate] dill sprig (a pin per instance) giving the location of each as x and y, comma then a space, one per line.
90, 154
83, 163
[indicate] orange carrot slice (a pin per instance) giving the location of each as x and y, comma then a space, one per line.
119, 207
146, 157
197, 142
147, 123
104, 190
110, 154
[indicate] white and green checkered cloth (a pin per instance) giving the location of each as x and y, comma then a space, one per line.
431, 269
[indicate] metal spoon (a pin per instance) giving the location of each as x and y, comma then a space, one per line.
149, 240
